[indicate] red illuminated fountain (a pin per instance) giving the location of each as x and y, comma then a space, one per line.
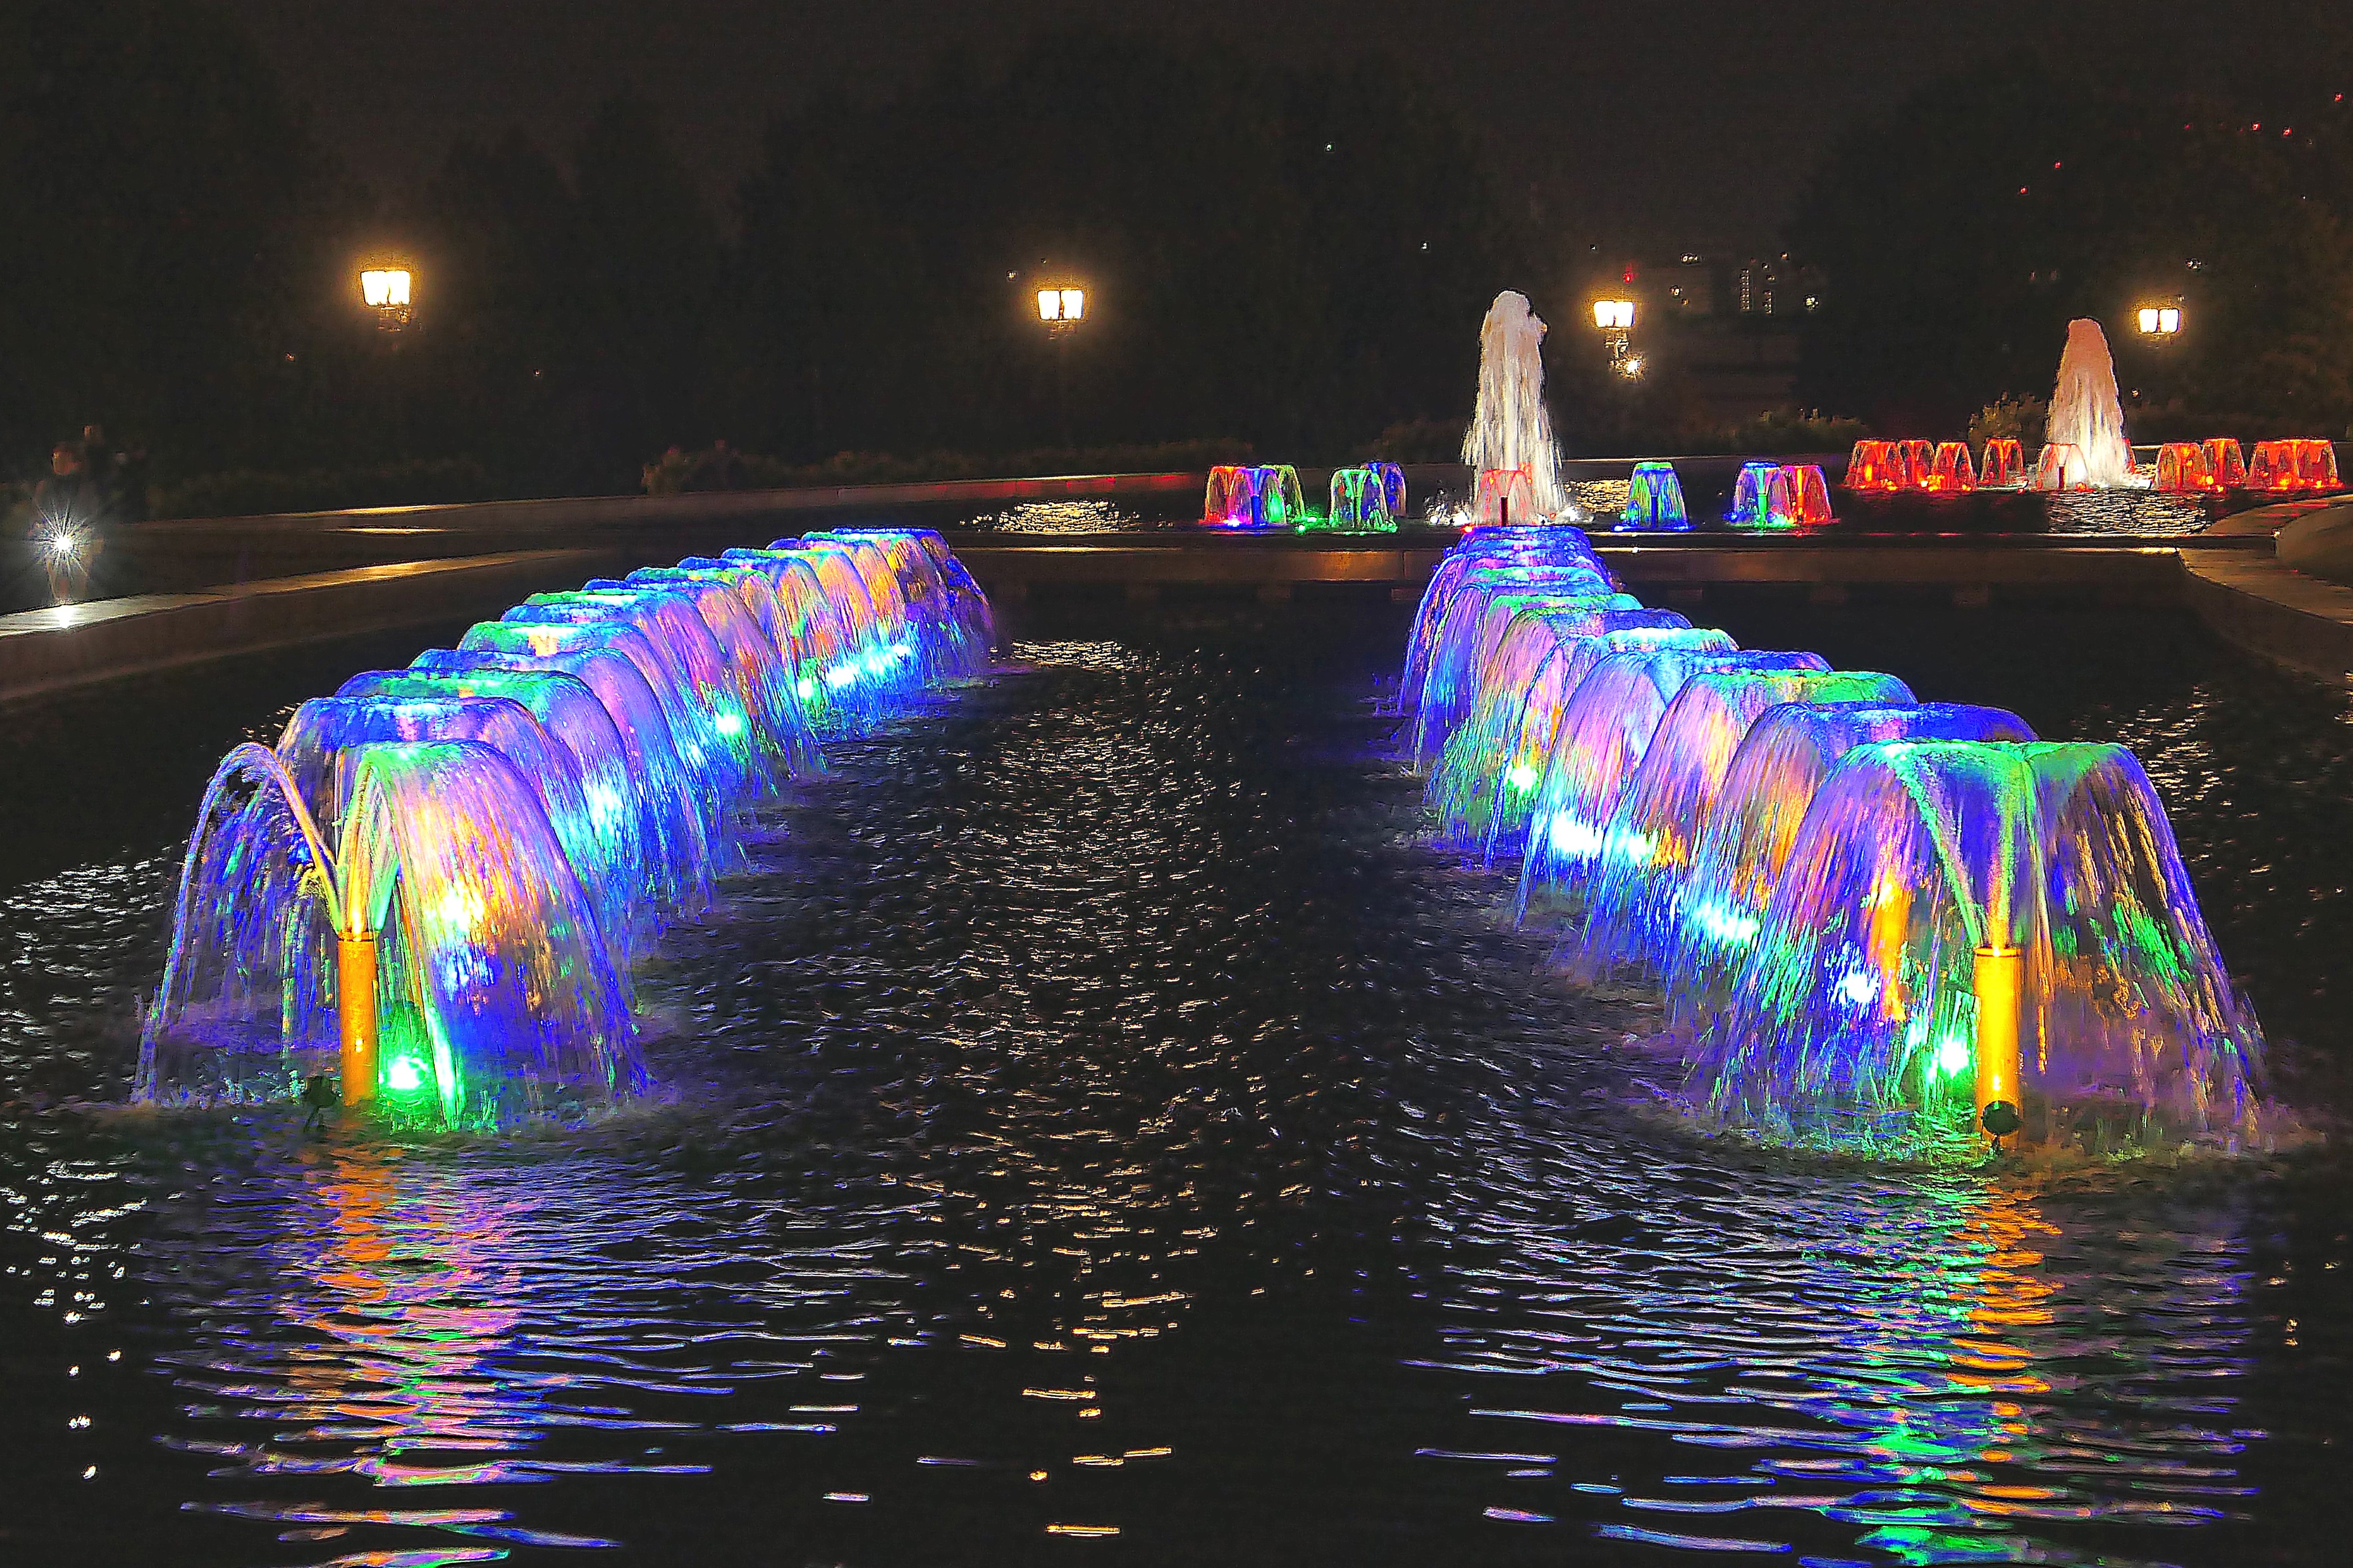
1951, 473
1874, 466
2282, 467
2181, 467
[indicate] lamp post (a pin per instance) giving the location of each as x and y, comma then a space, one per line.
1614, 318
386, 292
1060, 308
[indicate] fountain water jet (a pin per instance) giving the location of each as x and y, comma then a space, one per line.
2085, 412
1510, 429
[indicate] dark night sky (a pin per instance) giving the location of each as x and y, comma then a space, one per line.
1651, 121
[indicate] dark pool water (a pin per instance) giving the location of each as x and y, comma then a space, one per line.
1096, 1113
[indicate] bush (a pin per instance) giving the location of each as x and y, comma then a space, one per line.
2017, 419
247, 492
709, 468
1781, 432
1419, 441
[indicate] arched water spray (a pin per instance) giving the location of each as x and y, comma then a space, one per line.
512, 821
1897, 928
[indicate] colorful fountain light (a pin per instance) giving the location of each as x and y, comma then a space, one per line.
1366, 500
2181, 467
2226, 463
1798, 497
434, 887
2285, 466
1882, 925
2001, 464
2061, 466
1951, 472
1750, 490
1874, 466
1263, 496
1654, 499
1779, 497
1918, 461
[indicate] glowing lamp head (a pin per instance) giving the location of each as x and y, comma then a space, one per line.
385, 288
2160, 320
1061, 306
1613, 315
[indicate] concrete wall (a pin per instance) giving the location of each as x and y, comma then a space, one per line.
47, 651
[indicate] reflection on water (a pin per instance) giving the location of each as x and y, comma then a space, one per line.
1070, 517
1097, 1121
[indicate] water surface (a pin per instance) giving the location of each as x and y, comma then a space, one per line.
1097, 1128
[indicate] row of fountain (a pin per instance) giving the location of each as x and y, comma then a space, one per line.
2084, 448
1880, 924
1366, 498
1875, 919
433, 893
1946, 468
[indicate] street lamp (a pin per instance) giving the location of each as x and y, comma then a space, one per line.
2160, 320
386, 292
1061, 309
1615, 320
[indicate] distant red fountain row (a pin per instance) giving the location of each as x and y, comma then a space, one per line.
1945, 467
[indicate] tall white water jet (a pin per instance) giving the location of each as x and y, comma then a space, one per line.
1509, 426
2084, 410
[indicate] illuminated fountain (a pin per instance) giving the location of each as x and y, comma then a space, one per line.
1883, 926
2282, 467
1665, 807
1951, 472
2087, 423
1874, 466
1263, 496
1759, 806
1654, 499
2001, 464
1778, 497
1917, 459
430, 894
1859, 1017
1511, 433
1366, 500
2181, 466
2226, 463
